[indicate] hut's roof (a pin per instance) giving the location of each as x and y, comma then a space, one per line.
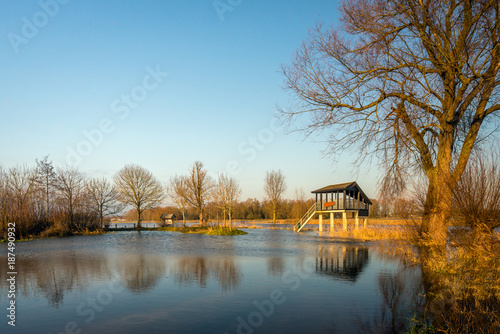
168, 216
341, 187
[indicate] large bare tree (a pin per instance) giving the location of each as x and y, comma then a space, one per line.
138, 188
227, 194
413, 81
102, 196
177, 190
199, 185
274, 186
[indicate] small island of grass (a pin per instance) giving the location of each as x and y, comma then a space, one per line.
203, 230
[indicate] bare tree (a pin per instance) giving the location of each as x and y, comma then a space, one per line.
199, 184
22, 187
70, 184
177, 190
299, 205
138, 188
413, 81
227, 194
274, 187
102, 196
46, 178
477, 195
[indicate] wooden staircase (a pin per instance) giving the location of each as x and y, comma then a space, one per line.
305, 218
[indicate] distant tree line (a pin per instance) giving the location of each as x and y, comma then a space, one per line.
250, 209
400, 208
46, 201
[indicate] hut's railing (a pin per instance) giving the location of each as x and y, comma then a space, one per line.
349, 205
320, 206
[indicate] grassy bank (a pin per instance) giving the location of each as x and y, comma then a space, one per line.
57, 233
461, 282
372, 233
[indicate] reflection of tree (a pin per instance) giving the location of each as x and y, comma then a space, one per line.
342, 262
227, 274
199, 269
401, 292
53, 274
392, 287
54, 283
191, 269
275, 240
140, 273
275, 266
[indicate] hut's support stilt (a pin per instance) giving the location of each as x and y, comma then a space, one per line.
332, 221
356, 220
365, 221
344, 221
321, 223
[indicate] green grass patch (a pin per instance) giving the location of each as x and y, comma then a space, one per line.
203, 230
226, 231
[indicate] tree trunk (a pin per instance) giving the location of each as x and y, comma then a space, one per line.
437, 210
201, 217
184, 218
431, 258
139, 220
47, 202
71, 214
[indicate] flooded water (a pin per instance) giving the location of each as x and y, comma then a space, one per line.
269, 281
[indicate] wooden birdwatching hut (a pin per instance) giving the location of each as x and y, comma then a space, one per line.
343, 198
168, 218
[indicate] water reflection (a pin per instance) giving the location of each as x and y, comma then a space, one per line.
275, 266
341, 262
392, 286
198, 270
53, 275
191, 269
140, 273
227, 274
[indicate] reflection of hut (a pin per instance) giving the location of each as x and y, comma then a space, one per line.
343, 262
168, 219
343, 198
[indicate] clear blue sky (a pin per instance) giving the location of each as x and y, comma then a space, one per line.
101, 84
